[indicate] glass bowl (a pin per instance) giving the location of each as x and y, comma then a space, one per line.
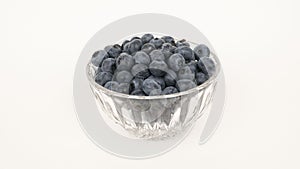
154, 117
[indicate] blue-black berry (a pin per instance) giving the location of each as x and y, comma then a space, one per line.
169, 90
140, 71
98, 57
185, 84
124, 77
109, 65
186, 52
141, 57
159, 80
103, 77
176, 61
170, 78
112, 85
157, 42
207, 66
148, 48
124, 62
201, 51
200, 78
136, 84
186, 73
157, 55
146, 38
150, 85
168, 39
158, 68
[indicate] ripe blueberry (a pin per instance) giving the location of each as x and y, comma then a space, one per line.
98, 57
124, 62
186, 52
158, 68
159, 80
109, 65
112, 85
170, 78
200, 78
136, 84
148, 48
185, 84
146, 38
141, 57
157, 55
169, 90
140, 71
176, 61
114, 51
124, 76
123, 88
207, 66
186, 73
103, 77
201, 51
157, 42
168, 39
149, 85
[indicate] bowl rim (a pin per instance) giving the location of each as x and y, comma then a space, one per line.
208, 82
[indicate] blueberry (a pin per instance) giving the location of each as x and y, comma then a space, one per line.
135, 37
123, 45
114, 51
149, 85
170, 78
201, 51
176, 61
182, 43
185, 84
124, 62
138, 93
141, 57
168, 47
99, 70
157, 42
148, 48
123, 76
140, 71
103, 77
98, 57
157, 55
146, 38
106, 48
112, 85
207, 66
168, 39
123, 88
155, 92
159, 80
186, 52
186, 73
109, 65
158, 68
200, 78
134, 46
169, 90
136, 84
193, 66
167, 54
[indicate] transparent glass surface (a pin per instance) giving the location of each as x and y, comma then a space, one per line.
154, 117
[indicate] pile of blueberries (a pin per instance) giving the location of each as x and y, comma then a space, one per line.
149, 66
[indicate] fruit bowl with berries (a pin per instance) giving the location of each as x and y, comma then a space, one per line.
153, 85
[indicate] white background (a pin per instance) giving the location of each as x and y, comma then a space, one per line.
258, 45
